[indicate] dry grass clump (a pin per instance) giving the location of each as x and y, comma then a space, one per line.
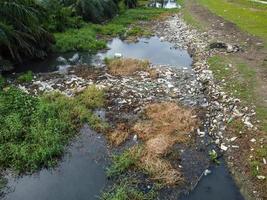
166, 118
160, 169
166, 124
118, 135
128, 66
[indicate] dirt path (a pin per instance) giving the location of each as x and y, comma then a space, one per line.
254, 53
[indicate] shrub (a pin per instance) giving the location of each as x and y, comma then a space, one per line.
26, 77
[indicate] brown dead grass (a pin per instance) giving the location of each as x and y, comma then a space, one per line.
166, 118
119, 135
129, 66
166, 124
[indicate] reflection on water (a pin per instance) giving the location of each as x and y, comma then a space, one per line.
164, 4
152, 49
80, 176
219, 185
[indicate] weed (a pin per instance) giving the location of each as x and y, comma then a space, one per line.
83, 39
26, 77
35, 130
214, 157
2, 81
92, 97
127, 190
122, 162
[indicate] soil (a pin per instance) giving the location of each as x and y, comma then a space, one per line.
254, 54
253, 51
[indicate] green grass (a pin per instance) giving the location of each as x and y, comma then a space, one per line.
248, 16
127, 189
26, 77
84, 39
122, 162
240, 79
35, 130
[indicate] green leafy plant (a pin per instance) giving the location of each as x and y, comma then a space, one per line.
26, 77
214, 156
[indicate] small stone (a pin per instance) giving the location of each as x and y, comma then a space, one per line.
135, 138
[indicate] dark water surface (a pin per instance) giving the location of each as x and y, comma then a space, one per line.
152, 49
80, 176
219, 185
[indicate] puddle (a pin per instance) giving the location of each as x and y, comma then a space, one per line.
152, 49
168, 4
80, 176
218, 185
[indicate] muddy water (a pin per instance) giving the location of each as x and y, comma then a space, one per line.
80, 176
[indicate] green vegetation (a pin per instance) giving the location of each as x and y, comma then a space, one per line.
128, 190
214, 157
35, 130
84, 39
240, 79
121, 163
248, 16
21, 31
26, 77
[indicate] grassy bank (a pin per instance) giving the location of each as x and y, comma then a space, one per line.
248, 16
93, 37
35, 130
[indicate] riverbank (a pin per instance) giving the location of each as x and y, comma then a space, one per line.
242, 75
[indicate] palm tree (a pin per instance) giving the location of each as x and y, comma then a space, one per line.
21, 32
